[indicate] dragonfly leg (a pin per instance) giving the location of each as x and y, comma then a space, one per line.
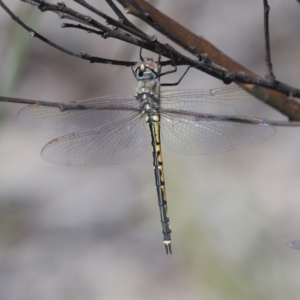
173, 70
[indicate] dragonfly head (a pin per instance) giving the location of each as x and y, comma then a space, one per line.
146, 70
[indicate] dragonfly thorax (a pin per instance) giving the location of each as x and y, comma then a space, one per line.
147, 90
149, 108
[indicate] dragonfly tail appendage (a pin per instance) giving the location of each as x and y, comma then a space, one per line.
168, 247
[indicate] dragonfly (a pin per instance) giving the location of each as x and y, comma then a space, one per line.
114, 129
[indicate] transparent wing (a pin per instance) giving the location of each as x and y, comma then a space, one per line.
213, 134
228, 100
79, 120
112, 144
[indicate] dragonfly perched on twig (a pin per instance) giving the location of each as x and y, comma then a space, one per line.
113, 129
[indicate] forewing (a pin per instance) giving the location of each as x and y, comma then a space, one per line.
112, 144
228, 100
195, 136
79, 120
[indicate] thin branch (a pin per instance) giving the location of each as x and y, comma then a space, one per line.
65, 106
198, 116
267, 40
78, 26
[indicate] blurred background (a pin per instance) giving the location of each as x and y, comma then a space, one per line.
94, 233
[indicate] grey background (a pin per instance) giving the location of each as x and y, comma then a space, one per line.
94, 233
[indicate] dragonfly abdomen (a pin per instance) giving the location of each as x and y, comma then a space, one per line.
153, 121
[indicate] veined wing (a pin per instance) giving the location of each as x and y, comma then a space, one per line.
113, 143
103, 110
212, 134
228, 100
